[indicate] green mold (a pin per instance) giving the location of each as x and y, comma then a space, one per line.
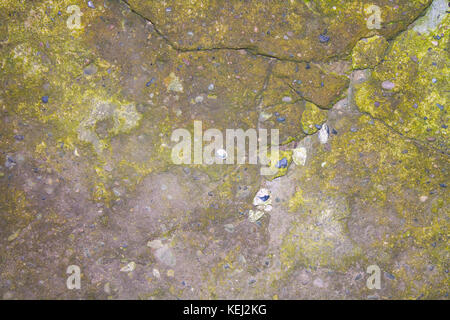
369, 52
312, 116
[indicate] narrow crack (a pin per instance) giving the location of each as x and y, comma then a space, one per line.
252, 51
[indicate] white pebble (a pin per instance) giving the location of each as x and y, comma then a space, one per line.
299, 156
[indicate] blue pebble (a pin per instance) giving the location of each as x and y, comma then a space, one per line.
440, 106
45, 99
353, 129
91, 5
148, 84
390, 276
444, 126
308, 66
318, 126
434, 80
264, 198
322, 84
334, 132
443, 185
282, 163
169, 9
281, 119
324, 38
415, 105
19, 137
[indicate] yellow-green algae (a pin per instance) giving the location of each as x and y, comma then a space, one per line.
369, 52
418, 65
389, 171
312, 117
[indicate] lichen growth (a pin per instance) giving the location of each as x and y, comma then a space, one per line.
369, 52
312, 119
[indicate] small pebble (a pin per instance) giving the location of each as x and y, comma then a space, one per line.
148, 84
283, 163
45, 99
211, 87
19, 137
440, 106
129, 267
90, 70
324, 134
90, 4
221, 154
390, 276
229, 228
324, 38
299, 156
387, 85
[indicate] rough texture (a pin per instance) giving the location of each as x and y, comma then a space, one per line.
86, 176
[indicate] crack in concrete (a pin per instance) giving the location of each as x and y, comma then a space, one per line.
252, 51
